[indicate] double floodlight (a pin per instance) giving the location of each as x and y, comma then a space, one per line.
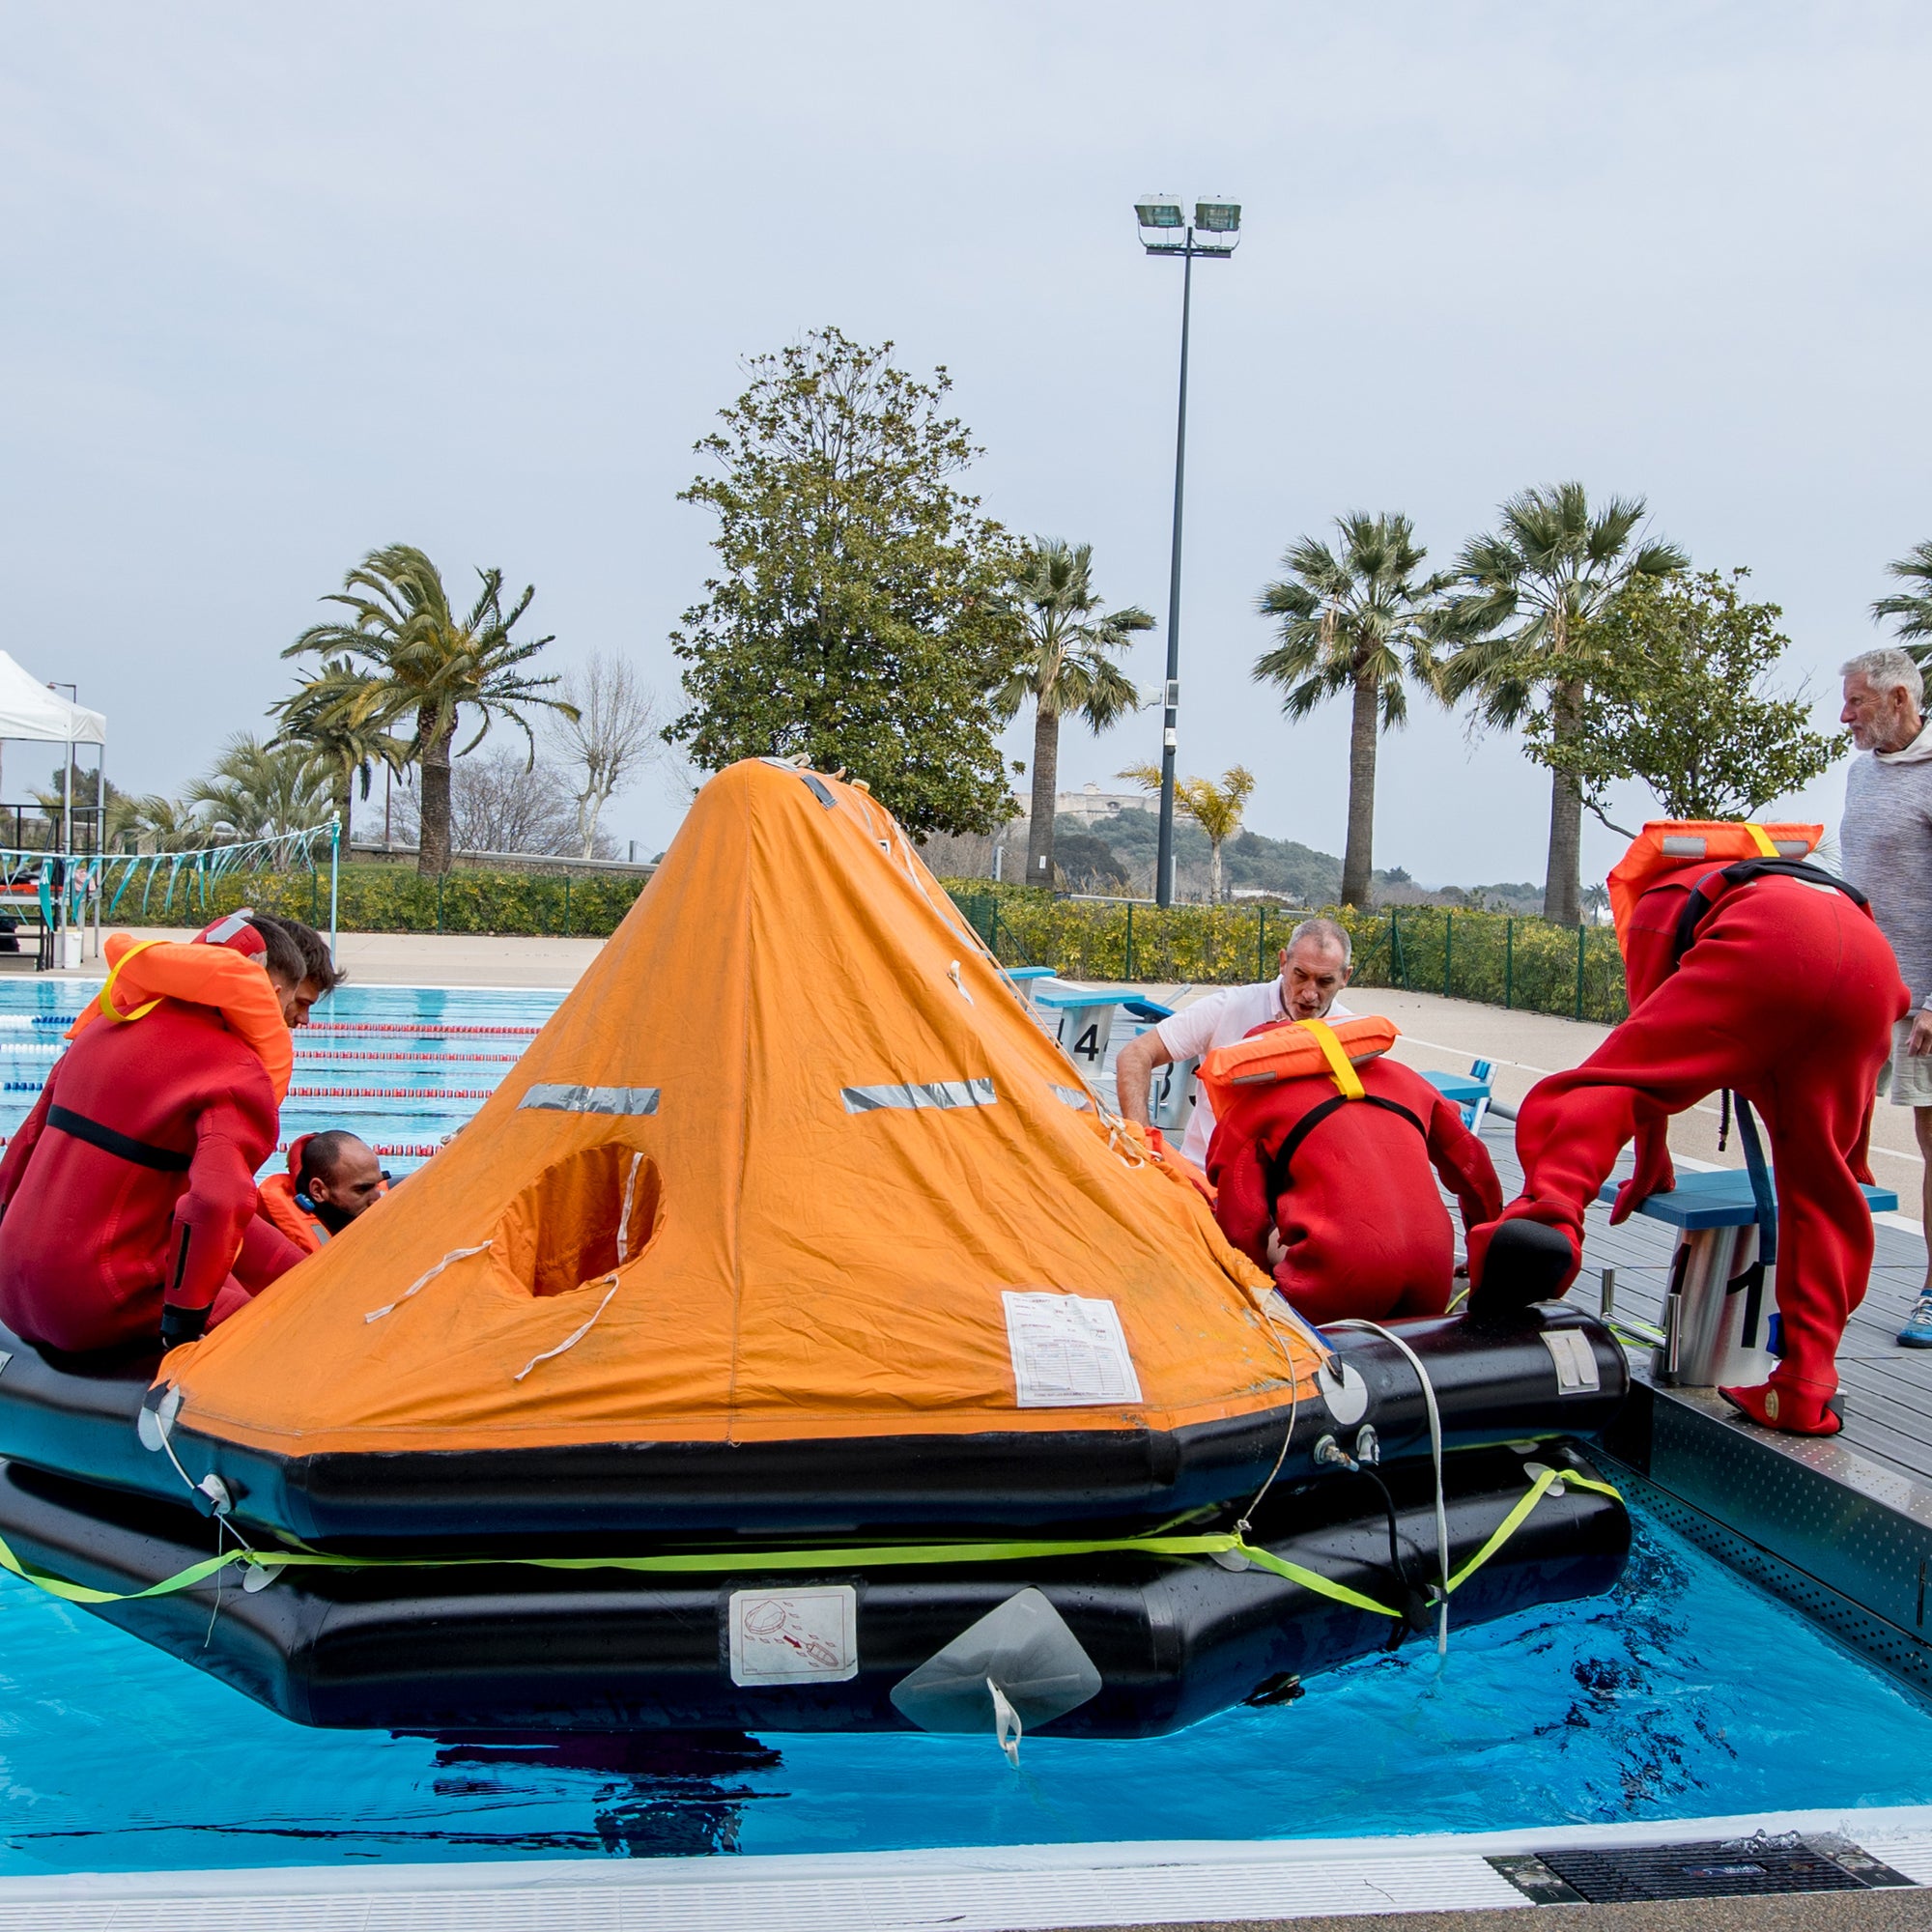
1166, 230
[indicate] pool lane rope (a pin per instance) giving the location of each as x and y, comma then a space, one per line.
261, 1568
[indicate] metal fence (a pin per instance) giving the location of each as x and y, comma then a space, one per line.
1499, 958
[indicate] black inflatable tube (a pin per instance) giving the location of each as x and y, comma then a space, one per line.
1492, 1386
499, 1648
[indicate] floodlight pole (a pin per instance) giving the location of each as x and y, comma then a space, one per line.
1163, 874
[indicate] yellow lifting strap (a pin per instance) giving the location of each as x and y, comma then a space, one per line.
1343, 1071
715, 1562
1762, 839
113, 974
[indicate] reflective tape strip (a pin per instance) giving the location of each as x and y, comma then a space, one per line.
562, 1099
1072, 1098
933, 1093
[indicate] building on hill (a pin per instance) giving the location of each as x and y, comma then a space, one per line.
1092, 805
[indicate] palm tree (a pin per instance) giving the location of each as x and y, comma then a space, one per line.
423, 662
1358, 619
155, 823
1912, 608
1069, 666
326, 718
260, 791
1549, 569
1216, 808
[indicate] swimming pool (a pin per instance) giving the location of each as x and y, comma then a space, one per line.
1685, 1694
403, 1066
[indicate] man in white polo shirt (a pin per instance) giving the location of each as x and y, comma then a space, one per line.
1315, 966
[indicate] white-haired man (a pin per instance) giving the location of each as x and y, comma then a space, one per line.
1315, 966
1886, 841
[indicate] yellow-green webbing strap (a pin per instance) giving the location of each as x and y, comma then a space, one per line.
1341, 1068
79, 1593
724, 1562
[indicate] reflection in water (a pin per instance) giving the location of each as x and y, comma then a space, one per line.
656, 1795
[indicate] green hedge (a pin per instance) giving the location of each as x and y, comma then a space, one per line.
1495, 957
390, 898
1500, 958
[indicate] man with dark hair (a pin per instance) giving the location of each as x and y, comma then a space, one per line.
332, 1179
318, 974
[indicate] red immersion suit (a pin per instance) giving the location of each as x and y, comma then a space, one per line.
1787, 996
132, 1182
1349, 1223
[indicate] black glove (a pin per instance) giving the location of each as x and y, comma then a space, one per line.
182, 1324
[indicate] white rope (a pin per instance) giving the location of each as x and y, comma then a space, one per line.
571, 1340
624, 1219
1436, 1456
422, 1280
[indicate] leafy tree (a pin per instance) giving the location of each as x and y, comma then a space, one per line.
1913, 608
1356, 619
1529, 587
423, 662
1678, 694
1089, 864
1068, 666
260, 791
1216, 808
334, 718
855, 619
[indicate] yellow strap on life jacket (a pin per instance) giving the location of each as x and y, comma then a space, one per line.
1346, 1080
1762, 839
113, 974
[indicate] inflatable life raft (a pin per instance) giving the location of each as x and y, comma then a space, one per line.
794, 1298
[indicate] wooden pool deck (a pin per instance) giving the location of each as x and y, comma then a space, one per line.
1841, 1527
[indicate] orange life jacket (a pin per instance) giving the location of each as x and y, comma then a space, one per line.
281, 1206
143, 971
1294, 1050
1666, 844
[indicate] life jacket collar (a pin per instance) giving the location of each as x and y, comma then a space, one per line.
1294, 1050
1667, 844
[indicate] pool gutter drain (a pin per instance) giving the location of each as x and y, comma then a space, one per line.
1735, 1868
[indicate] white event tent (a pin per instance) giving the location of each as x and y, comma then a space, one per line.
32, 712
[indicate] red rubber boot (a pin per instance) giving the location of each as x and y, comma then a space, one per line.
1798, 1409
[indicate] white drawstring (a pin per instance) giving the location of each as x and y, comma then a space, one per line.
422, 1280
571, 1340
624, 1219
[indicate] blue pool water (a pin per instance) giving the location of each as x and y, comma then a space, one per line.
1686, 1693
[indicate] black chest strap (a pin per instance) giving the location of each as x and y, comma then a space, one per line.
1704, 898
123, 1146
1278, 1165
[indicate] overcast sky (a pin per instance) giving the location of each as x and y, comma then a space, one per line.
283, 285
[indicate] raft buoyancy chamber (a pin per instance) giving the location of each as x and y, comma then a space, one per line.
1105, 1644
1559, 1372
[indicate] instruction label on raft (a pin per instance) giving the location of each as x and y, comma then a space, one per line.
795, 1637
1068, 1351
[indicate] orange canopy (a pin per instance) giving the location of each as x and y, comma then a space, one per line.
1666, 843
793, 1161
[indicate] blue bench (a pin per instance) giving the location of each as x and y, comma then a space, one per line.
1717, 1327
1471, 1090
1721, 1199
